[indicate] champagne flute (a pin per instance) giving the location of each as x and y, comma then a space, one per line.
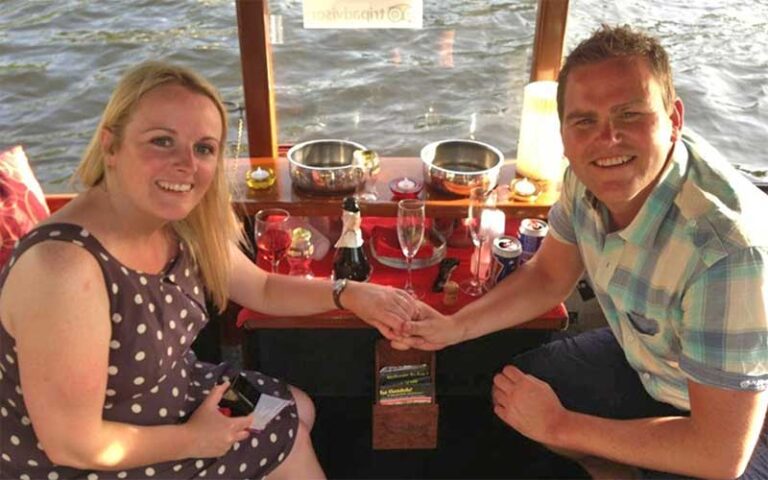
410, 234
481, 200
272, 235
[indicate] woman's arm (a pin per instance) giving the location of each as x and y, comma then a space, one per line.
55, 305
385, 308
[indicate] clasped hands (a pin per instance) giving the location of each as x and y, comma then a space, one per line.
405, 321
522, 401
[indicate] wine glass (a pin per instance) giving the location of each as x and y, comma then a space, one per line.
368, 167
272, 234
481, 200
410, 234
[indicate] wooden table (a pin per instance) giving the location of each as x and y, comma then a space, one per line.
555, 319
283, 195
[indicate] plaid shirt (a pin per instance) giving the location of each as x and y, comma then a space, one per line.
684, 287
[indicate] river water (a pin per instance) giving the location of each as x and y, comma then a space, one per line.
462, 75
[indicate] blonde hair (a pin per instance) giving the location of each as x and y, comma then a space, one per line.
209, 230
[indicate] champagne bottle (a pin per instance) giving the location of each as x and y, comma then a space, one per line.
350, 260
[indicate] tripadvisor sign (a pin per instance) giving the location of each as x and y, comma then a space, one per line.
363, 14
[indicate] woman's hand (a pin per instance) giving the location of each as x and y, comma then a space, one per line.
213, 433
429, 330
383, 307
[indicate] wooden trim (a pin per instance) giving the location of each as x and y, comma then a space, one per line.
283, 195
549, 41
346, 321
258, 78
57, 200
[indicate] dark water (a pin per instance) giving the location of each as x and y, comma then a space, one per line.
393, 90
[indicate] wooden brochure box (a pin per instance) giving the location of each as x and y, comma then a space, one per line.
407, 426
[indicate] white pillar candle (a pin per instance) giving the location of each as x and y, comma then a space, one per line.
492, 223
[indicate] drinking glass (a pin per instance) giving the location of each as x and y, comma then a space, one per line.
272, 235
367, 163
480, 200
410, 234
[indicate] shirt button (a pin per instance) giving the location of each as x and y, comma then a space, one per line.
646, 375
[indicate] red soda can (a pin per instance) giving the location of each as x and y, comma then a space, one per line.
506, 255
532, 232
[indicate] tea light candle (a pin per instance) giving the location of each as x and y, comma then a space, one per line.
405, 187
260, 178
525, 188
406, 184
259, 174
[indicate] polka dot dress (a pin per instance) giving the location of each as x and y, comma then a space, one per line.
154, 377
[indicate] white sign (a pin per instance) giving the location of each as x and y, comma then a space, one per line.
363, 13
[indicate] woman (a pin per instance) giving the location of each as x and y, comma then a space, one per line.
100, 304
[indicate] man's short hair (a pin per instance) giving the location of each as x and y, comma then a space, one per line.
609, 42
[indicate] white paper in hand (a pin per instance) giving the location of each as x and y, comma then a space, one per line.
267, 408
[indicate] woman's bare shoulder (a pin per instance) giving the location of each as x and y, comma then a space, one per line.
50, 278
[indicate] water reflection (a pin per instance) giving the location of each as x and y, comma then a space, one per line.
461, 75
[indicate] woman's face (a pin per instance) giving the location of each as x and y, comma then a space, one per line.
169, 152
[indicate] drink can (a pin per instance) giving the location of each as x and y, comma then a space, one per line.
532, 232
506, 256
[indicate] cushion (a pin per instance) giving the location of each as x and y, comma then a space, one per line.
22, 203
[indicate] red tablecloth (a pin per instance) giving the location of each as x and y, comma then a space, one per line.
423, 279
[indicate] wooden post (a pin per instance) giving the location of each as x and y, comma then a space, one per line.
258, 77
551, 20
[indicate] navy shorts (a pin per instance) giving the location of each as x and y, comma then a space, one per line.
590, 374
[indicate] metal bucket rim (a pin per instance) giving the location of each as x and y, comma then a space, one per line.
301, 145
433, 146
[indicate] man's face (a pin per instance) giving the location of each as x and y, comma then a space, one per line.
617, 133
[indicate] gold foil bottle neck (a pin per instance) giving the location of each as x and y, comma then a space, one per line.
301, 243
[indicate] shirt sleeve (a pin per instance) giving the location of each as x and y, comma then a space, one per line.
561, 214
725, 323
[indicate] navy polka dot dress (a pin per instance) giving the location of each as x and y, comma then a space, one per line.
154, 377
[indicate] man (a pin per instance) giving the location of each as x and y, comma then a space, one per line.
675, 244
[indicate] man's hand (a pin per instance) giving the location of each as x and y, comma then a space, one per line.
527, 404
429, 330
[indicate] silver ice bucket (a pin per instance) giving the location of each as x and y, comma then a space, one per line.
455, 166
328, 166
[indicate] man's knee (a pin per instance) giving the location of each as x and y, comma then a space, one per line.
539, 361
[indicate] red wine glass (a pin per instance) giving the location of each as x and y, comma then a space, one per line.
272, 235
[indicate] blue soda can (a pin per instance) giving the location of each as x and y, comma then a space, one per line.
532, 232
506, 255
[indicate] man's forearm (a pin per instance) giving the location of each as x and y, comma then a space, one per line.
669, 444
521, 297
